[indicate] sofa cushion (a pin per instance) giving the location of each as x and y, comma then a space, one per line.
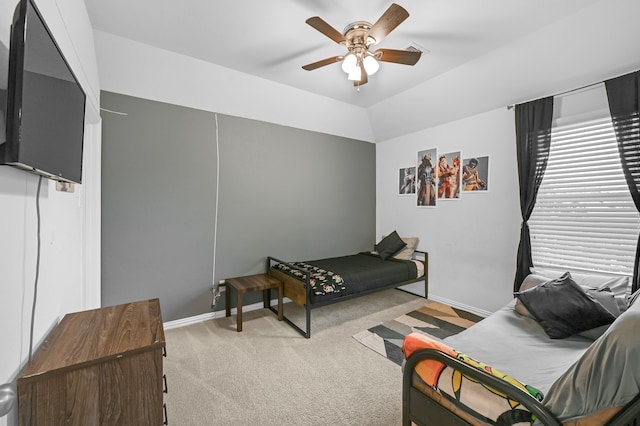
563, 308
607, 375
389, 245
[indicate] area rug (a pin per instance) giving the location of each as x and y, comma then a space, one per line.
434, 319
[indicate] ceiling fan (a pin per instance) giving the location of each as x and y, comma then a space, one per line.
360, 62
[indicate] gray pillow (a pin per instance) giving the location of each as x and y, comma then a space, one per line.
563, 308
390, 245
605, 296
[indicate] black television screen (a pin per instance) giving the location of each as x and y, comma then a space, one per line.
45, 103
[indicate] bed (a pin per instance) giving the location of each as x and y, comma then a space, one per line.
315, 283
507, 369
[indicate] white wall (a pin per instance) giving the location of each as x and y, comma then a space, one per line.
136, 69
471, 241
596, 43
69, 264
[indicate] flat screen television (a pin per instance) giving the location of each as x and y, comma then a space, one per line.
45, 104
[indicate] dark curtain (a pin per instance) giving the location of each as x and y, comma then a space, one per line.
624, 100
533, 139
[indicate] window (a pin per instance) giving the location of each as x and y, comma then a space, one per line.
584, 218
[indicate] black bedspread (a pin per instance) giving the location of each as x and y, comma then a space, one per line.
353, 274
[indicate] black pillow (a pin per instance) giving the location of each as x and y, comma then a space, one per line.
390, 245
563, 308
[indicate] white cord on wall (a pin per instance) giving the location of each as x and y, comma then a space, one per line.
216, 286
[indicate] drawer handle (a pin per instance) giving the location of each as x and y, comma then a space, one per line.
164, 379
164, 351
166, 418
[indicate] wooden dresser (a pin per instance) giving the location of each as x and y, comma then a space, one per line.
98, 367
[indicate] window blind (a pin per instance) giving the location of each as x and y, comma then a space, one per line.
584, 218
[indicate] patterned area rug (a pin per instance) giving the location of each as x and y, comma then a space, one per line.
433, 319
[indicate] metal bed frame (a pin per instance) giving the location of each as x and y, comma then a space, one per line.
317, 304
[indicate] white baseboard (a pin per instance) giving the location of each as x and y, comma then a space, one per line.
214, 315
454, 304
418, 290
220, 314
191, 320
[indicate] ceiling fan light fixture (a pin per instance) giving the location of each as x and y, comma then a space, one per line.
371, 66
359, 62
349, 63
355, 74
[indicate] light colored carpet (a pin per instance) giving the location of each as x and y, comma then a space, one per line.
270, 375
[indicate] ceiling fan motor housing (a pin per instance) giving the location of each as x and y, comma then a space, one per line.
355, 35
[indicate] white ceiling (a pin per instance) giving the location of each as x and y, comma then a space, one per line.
271, 40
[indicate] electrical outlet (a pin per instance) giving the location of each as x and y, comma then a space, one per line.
65, 187
216, 289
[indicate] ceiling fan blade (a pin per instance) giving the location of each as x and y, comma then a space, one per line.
319, 24
322, 63
389, 20
405, 57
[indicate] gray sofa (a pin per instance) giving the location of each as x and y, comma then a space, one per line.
590, 377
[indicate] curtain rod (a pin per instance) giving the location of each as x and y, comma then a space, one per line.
566, 92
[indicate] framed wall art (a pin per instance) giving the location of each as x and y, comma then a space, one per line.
449, 173
407, 181
426, 177
475, 174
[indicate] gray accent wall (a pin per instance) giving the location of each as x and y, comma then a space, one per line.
158, 171
166, 208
